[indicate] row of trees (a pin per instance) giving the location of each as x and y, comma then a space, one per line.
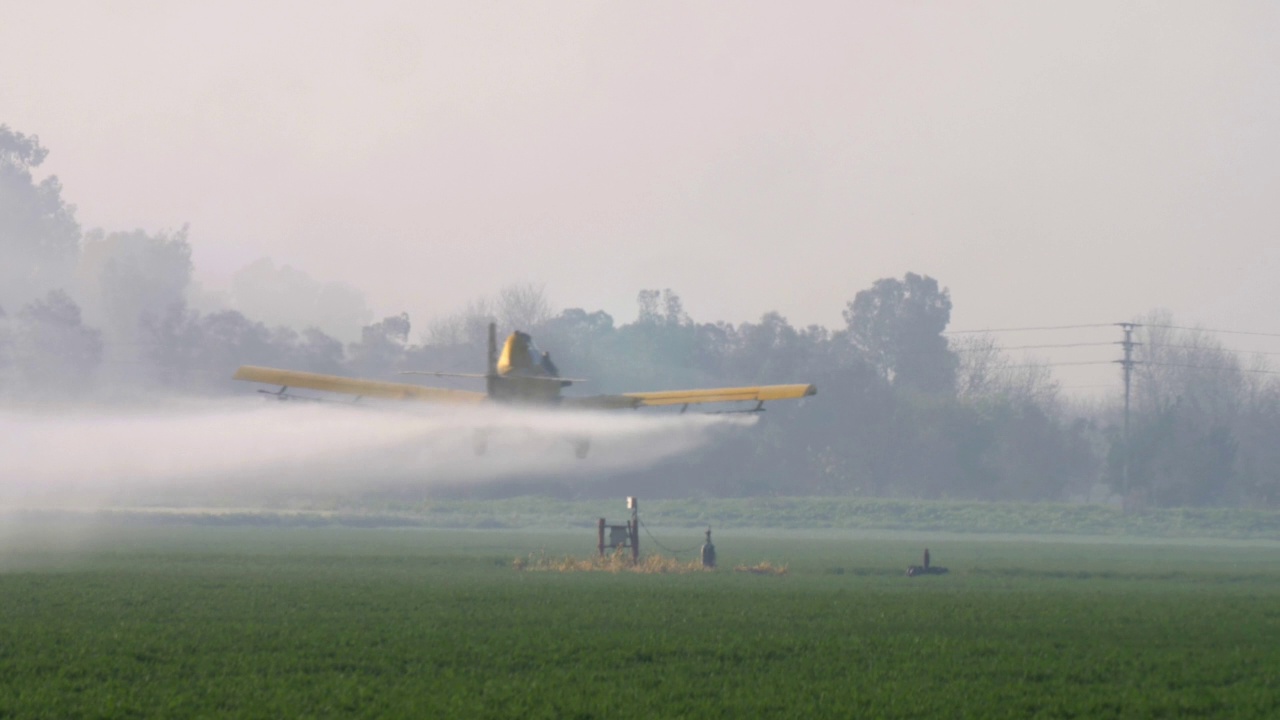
903, 409
1206, 421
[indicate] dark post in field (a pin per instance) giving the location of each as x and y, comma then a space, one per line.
634, 506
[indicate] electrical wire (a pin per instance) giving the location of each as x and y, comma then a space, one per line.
1060, 364
1037, 347
1199, 347
1221, 331
1028, 329
1207, 367
1212, 330
664, 547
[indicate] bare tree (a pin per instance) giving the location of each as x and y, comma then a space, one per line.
985, 371
1186, 366
519, 306
466, 327
522, 306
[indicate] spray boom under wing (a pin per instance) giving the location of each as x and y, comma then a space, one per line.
431, 373
479, 376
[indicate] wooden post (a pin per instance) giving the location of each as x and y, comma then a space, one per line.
600, 533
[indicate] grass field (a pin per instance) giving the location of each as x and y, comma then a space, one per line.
324, 622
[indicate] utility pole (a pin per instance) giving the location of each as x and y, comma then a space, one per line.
1127, 363
633, 505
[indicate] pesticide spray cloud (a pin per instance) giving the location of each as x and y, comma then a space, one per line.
232, 453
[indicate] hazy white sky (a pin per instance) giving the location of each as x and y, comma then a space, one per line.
1050, 163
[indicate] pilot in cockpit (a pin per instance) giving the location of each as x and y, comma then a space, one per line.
542, 360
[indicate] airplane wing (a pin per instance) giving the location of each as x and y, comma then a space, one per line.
758, 394
354, 386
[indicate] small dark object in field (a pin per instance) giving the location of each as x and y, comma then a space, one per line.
708, 552
914, 570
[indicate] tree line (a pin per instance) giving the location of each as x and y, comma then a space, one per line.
903, 410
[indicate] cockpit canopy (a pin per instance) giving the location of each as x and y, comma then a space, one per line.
521, 356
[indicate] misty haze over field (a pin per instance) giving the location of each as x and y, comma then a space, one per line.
834, 193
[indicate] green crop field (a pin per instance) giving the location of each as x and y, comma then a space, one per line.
326, 622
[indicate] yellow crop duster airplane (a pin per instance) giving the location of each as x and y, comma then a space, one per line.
519, 375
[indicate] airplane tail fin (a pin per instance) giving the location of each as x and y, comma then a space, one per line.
493, 349
491, 372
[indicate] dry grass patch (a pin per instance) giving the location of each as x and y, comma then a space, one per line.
764, 568
614, 563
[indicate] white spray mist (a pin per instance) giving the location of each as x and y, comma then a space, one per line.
237, 453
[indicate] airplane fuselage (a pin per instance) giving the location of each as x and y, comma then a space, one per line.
520, 373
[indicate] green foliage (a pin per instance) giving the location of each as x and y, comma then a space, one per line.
182, 622
381, 349
898, 325
286, 296
54, 351
39, 235
125, 276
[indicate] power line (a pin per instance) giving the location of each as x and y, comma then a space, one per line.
1028, 329
1212, 367
1211, 349
1060, 364
1212, 330
1101, 325
1036, 347
664, 547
